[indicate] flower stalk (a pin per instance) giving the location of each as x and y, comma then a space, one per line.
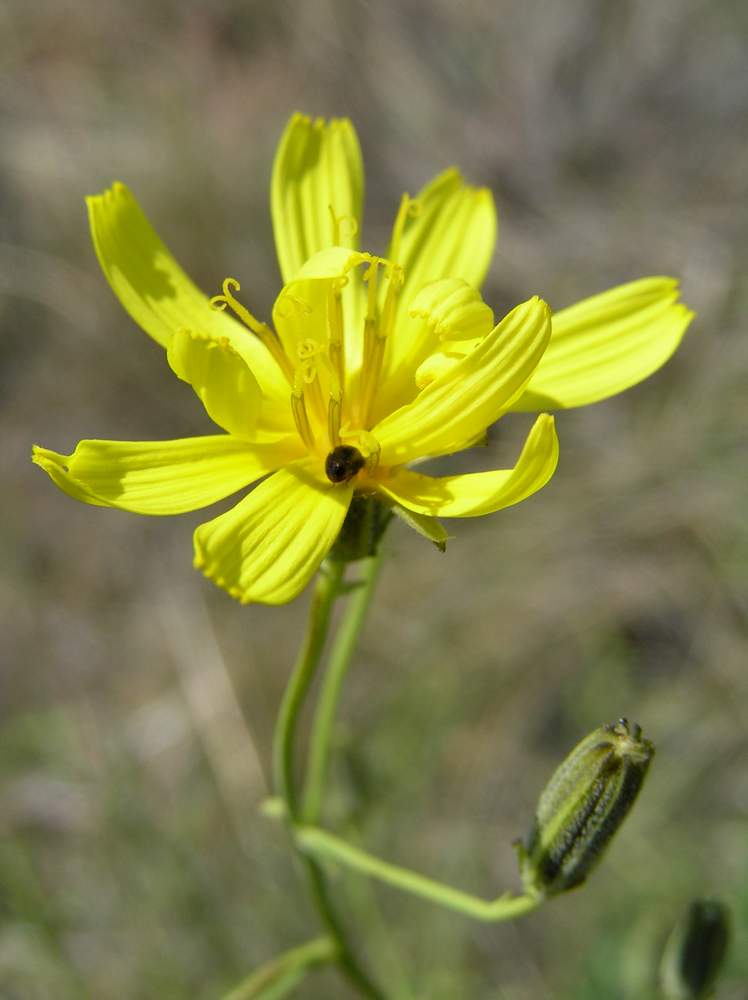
340, 659
327, 589
329, 586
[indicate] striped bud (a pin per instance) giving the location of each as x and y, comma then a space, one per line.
582, 806
695, 951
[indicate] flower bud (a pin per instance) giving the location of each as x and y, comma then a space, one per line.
695, 951
582, 806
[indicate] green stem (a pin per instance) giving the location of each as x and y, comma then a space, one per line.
326, 846
345, 958
280, 975
326, 589
340, 657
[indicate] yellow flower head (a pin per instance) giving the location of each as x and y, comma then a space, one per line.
371, 363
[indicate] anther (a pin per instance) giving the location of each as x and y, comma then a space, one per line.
343, 463
333, 419
376, 332
300, 415
336, 343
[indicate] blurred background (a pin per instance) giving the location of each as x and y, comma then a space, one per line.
138, 701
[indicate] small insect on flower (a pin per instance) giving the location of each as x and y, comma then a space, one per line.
582, 807
343, 463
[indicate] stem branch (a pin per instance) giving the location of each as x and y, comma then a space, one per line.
282, 974
326, 846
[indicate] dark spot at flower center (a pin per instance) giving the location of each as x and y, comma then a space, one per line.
343, 463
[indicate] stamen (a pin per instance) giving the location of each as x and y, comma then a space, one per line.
261, 330
300, 416
350, 222
396, 276
220, 302
375, 337
310, 355
409, 209
336, 339
333, 419
370, 276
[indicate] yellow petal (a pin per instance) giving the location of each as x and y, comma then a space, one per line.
156, 292
162, 477
220, 377
268, 546
451, 309
450, 233
458, 406
438, 364
316, 191
442, 313
607, 343
480, 492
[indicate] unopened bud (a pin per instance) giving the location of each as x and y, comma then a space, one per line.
582, 806
695, 951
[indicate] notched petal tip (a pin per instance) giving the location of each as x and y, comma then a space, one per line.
41, 456
117, 191
57, 467
53, 463
300, 119
317, 183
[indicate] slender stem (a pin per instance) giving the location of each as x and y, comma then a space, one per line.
283, 973
328, 587
326, 590
340, 658
345, 958
326, 846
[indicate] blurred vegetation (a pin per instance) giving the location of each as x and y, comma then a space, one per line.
138, 701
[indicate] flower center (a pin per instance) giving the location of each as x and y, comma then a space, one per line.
334, 370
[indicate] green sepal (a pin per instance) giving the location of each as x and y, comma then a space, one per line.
362, 531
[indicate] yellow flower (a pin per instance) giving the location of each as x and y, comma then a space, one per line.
372, 363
